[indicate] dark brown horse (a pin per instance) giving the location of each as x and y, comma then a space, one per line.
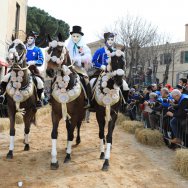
107, 100
67, 98
20, 92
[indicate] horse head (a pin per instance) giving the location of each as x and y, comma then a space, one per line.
17, 53
57, 56
117, 66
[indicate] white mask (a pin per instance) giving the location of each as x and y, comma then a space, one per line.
110, 41
76, 37
30, 41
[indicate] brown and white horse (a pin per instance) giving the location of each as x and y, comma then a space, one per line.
67, 97
20, 92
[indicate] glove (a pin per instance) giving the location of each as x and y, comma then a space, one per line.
31, 62
103, 67
77, 61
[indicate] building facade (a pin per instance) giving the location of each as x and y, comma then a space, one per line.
12, 21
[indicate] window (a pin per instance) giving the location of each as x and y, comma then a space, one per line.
184, 57
17, 20
165, 58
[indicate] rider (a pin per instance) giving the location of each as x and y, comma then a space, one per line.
102, 56
34, 57
80, 55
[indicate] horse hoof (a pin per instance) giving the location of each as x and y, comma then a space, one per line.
67, 158
26, 148
105, 165
102, 155
78, 141
10, 155
54, 166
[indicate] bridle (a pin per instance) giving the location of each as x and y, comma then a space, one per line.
15, 58
58, 60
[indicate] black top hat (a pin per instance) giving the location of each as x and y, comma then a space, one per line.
76, 29
108, 35
32, 34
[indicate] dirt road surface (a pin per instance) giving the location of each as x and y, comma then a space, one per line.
132, 165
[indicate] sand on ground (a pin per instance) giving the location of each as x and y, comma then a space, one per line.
132, 165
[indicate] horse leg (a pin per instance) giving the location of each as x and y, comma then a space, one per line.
78, 140
54, 135
12, 134
26, 132
70, 131
101, 123
111, 126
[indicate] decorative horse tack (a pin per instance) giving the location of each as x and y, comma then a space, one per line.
20, 92
107, 98
103, 95
67, 98
63, 95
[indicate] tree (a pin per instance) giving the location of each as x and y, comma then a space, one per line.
41, 22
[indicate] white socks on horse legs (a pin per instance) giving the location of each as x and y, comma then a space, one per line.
101, 145
54, 151
69, 145
11, 146
107, 154
26, 138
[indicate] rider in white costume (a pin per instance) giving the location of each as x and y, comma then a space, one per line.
80, 55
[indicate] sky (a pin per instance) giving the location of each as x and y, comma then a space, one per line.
170, 16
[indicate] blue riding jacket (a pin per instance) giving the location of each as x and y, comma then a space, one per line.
35, 54
100, 58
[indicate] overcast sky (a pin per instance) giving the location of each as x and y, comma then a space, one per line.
169, 15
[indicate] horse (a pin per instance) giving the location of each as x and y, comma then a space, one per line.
20, 93
67, 97
107, 101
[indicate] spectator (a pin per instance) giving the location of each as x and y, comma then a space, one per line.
177, 122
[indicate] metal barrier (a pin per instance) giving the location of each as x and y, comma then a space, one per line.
170, 128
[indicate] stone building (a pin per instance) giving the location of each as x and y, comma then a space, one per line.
12, 21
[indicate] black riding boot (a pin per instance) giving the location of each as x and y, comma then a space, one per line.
89, 95
2, 91
39, 102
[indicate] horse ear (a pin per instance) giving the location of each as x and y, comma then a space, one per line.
60, 37
13, 38
49, 38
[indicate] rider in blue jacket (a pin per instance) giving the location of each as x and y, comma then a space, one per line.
101, 56
34, 58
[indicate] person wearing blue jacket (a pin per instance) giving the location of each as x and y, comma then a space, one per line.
101, 56
178, 121
34, 58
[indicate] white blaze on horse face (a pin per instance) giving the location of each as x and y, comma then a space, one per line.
76, 37
69, 145
30, 41
107, 154
101, 145
54, 151
110, 41
11, 146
